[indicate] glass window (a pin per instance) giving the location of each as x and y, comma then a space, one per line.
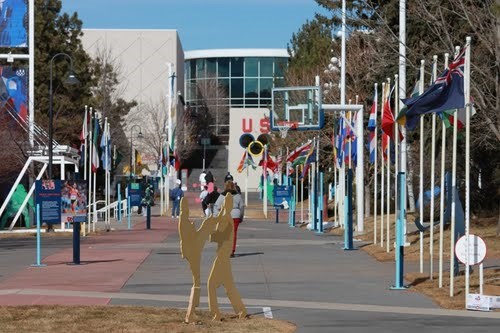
236, 88
280, 66
251, 92
200, 68
192, 66
266, 67
224, 86
251, 67
187, 71
211, 67
266, 86
236, 103
237, 67
223, 67
265, 103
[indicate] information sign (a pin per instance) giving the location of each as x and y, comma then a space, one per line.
48, 196
135, 194
74, 201
477, 250
282, 195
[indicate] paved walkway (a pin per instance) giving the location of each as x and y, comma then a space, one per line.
286, 273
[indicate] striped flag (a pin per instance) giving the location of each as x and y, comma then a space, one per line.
310, 158
298, 151
372, 125
95, 152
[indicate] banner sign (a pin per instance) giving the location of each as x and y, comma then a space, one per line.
14, 90
135, 194
13, 23
282, 195
74, 201
48, 195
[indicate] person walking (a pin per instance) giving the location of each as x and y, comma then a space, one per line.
209, 178
211, 198
202, 180
229, 176
176, 194
237, 212
203, 195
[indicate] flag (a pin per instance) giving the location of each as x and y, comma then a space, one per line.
267, 162
310, 158
388, 121
117, 158
95, 152
83, 136
242, 164
372, 125
297, 152
106, 149
447, 117
446, 93
401, 118
246, 160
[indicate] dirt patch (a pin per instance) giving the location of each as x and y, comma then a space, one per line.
114, 319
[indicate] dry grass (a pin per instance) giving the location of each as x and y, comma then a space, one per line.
486, 228
114, 319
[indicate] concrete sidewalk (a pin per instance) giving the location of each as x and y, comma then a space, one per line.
289, 273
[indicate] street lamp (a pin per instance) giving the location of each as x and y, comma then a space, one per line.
139, 135
72, 80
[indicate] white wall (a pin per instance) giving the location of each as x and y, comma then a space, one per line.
254, 121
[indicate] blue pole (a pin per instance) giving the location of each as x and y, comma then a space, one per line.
348, 233
128, 211
400, 235
320, 203
119, 206
38, 239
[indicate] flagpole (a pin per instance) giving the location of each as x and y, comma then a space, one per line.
375, 172
396, 152
433, 162
467, 162
441, 203
105, 134
85, 143
421, 184
454, 193
246, 184
264, 171
388, 173
89, 186
382, 174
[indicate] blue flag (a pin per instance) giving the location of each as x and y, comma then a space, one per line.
446, 93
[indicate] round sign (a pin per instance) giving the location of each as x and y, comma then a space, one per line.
477, 250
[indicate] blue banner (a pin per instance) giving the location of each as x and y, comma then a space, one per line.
13, 23
48, 195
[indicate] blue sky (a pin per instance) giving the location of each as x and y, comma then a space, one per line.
202, 24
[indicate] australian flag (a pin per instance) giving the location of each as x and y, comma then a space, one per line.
446, 93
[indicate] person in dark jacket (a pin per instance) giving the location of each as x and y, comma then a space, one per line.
210, 200
209, 178
176, 195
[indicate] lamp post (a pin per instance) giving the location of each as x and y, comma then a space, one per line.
139, 135
71, 79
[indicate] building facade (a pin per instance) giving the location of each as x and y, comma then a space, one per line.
221, 79
145, 61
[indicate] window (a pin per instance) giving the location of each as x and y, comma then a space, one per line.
266, 67
211, 67
251, 91
236, 67
223, 67
266, 85
200, 68
251, 67
236, 88
280, 66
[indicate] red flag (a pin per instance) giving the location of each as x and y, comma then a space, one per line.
388, 119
